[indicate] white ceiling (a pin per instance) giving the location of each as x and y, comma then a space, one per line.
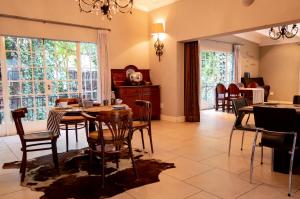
261, 37
148, 5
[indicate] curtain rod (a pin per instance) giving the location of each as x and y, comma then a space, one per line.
224, 42
51, 22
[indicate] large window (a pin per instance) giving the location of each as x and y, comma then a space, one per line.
216, 67
89, 70
37, 72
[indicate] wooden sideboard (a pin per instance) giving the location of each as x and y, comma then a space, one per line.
129, 93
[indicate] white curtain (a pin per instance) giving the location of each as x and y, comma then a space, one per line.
236, 62
105, 77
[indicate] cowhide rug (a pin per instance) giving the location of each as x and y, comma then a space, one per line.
73, 180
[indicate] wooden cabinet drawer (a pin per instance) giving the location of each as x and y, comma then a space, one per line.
129, 92
150, 93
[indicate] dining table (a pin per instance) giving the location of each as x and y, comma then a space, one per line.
256, 95
281, 157
56, 113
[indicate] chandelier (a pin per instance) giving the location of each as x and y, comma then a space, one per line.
283, 31
105, 7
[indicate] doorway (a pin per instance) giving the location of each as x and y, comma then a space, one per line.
216, 67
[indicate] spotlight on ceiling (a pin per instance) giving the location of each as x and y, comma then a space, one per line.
247, 2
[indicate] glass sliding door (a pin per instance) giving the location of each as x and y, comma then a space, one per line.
61, 70
216, 67
36, 72
89, 71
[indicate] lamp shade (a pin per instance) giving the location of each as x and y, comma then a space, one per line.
157, 28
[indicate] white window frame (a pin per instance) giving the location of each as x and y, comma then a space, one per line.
8, 127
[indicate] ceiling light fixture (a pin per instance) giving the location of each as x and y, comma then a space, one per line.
105, 7
283, 31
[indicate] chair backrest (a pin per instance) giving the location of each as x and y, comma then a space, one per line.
275, 119
252, 85
144, 110
118, 122
239, 103
220, 89
17, 115
296, 99
69, 100
233, 90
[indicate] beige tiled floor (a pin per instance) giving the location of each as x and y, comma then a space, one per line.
199, 151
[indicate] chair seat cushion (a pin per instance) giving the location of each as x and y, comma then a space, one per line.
44, 135
106, 134
139, 124
273, 140
71, 119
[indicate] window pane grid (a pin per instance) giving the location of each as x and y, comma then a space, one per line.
89, 71
40, 71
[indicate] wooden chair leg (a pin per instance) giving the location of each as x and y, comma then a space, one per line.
76, 132
150, 137
103, 166
131, 157
142, 135
24, 162
228, 106
117, 160
86, 129
67, 138
90, 161
54, 155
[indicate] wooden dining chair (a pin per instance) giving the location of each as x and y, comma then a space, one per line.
144, 122
220, 96
110, 141
31, 142
296, 99
278, 127
233, 93
71, 121
238, 123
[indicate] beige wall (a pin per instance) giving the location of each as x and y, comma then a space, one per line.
191, 19
279, 65
128, 39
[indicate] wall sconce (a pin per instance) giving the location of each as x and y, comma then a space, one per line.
157, 30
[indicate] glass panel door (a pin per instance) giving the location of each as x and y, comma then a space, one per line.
216, 67
89, 71
61, 70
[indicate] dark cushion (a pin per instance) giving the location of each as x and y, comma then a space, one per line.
258, 80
